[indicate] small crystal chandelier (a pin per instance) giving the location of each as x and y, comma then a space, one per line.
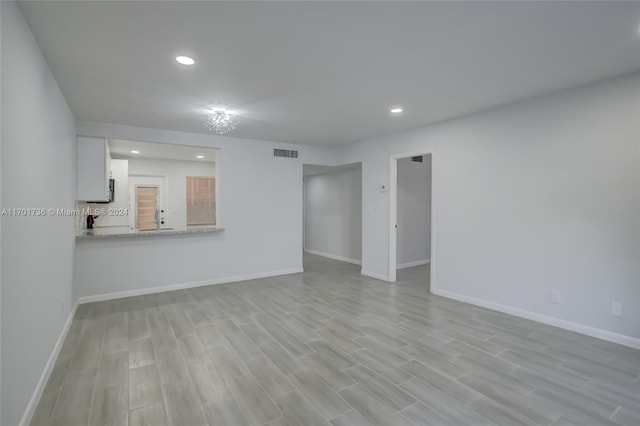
220, 121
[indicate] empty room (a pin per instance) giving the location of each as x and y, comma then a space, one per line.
319, 213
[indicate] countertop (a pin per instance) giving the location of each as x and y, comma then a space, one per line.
126, 232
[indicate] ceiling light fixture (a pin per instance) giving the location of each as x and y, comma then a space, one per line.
135, 152
199, 156
396, 110
220, 121
185, 60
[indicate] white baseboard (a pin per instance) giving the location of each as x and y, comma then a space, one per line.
333, 256
181, 286
412, 264
374, 275
632, 342
48, 368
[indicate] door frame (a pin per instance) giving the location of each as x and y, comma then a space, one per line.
163, 196
147, 185
393, 214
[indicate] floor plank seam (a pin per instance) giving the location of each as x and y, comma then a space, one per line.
336, 337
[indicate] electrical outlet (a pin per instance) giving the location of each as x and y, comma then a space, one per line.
554, 296
616, 309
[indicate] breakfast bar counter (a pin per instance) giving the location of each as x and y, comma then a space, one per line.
126, 232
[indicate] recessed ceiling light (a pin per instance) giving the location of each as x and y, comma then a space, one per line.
199, 156
185, 60
396, 110
135, 152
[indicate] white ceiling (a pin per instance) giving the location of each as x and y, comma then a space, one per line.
120, 148
324, 72
317, 169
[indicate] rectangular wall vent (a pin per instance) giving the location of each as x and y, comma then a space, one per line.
417, 158
286, 153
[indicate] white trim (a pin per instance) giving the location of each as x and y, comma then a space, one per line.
632, 342
181, 286
333, 256
412, 264
393, 217
374, 275
48, 368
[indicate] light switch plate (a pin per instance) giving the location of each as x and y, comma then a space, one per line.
554, 296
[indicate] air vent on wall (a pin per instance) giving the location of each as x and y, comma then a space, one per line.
417, 159
286, 153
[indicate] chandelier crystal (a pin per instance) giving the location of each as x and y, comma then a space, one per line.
220, 121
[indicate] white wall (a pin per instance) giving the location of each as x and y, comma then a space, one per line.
38, 171
175, 173
535, 195
260, 206
333, 213
414, 211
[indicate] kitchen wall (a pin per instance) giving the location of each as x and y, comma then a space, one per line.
536, 195
38, 171
260, 207
414, 212
333, 214
175, 173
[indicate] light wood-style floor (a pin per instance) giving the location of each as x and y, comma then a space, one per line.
330, 347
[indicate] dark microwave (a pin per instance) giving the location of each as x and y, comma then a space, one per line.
112, 190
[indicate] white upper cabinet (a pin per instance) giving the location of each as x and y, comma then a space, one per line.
92, 164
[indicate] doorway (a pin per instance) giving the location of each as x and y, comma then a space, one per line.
332, 212
411, 242
147, 209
